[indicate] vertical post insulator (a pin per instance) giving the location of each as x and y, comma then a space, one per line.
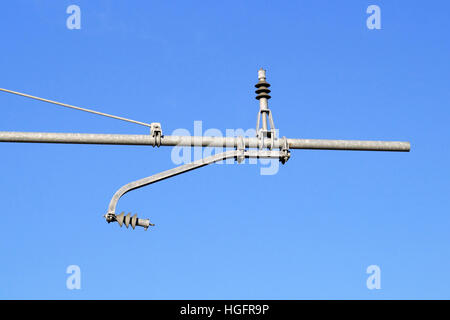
262, 95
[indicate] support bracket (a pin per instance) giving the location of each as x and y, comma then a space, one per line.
145, 223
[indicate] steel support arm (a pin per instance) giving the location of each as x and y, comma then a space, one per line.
225, 142
135, 221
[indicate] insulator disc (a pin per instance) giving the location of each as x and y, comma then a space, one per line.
119, 218
263, 83
127, 219
133, 221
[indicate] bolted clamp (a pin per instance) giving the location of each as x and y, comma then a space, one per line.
266, 138
240, 147
156, 132
285, 153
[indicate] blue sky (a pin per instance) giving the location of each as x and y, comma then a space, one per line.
227, 232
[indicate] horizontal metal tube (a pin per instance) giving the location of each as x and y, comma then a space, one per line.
230, 142
362, 145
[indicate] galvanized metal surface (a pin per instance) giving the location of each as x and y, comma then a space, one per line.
230, 142
111, 215
260, 146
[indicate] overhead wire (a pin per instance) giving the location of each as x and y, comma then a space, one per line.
75, 107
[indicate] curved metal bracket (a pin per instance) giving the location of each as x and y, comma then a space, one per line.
134, 221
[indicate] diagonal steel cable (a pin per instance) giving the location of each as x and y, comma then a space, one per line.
75, 107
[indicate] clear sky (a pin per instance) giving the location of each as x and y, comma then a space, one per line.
226, 231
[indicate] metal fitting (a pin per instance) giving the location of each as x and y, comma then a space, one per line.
128, 220
156, 132
285, 153
240, 147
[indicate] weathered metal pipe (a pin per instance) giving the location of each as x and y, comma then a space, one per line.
226, 142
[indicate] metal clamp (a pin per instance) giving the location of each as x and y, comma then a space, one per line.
266, 135
240, 147
285, 153
156, 132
